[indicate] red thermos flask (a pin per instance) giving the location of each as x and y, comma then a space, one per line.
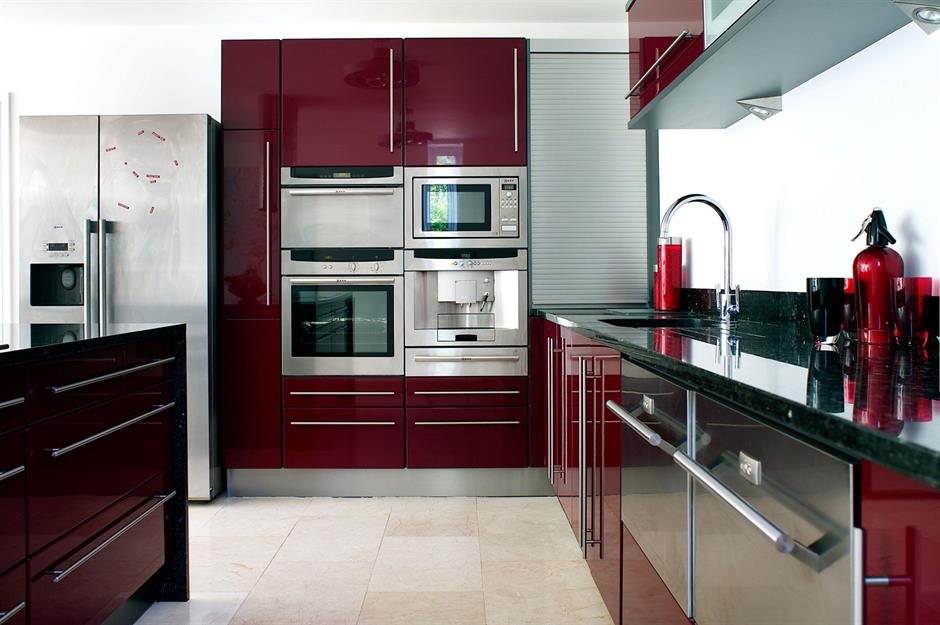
874, 270
667, 280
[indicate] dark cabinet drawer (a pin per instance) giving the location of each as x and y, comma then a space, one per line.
63, 385
351, 438
12, 500
12, 398
13, 596
70, 586
468, 391
82, 462
343, 392
467, 437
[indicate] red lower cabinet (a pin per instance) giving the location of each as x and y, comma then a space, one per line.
12, 399
344, 438
467, 437
13, 596
468, 391
344, 392
901, 520
12, 500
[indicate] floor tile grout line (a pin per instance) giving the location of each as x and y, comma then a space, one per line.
374, 561
476, 509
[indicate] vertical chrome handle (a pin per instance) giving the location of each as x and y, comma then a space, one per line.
86, 279
564, 418
267, 222
391, 100
515, 98
599, 415
102, 277
550, 405
582, 453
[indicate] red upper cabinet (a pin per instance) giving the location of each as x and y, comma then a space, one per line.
250, 225
251, 83
654, 26
465, 102
342, 102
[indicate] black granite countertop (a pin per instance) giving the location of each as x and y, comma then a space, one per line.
864, 402
18, 344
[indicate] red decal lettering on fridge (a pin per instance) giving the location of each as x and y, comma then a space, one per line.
136, 175
124, 206
176, 162
153, 182
158, 136
111, 149
151, 210
153, 175
140, 132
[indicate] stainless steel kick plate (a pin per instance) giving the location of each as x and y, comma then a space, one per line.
749, 468
649, 405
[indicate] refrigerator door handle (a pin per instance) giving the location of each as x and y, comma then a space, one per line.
90, 228
103, 277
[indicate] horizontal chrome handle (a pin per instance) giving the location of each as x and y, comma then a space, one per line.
662, 57
342, 423
466, 423
883, 582
12, 472
635, 424
342, 393
466, 392
390, 280
344, 191
781, 540
61, 451
12, 402
466, 358
61, 574
110, 376
6, 616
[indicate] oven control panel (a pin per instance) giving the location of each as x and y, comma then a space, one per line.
509, 207
342, 262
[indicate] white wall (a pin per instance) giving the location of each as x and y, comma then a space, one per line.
865, 133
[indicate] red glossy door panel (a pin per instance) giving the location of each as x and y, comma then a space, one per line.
12, 500
12, 398
902, 543
467, 437
251, 83
468, 391
344, 438
344, 392
251, 225
538, 389
465, 102
251, 393
13, 596
340, 108
83, 462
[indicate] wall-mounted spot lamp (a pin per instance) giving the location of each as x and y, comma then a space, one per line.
763, 108
924, 13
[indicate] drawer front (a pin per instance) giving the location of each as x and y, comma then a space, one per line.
13, 596
64, 385
344, 438
12, 500
466, 361
468, 391
12, 398
467, 437
343, 392
77, 587
83, 462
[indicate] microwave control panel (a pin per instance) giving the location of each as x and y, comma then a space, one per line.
509, 207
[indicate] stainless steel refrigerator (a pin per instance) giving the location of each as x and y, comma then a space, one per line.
117, 225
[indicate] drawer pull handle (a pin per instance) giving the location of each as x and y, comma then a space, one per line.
61, 574
342, 423
56, 390
12, 472
883, 582
635, 424
466, 392
466, 423
61, 451
12, 402
345, 191
512, 358
342, 393
6, 616
672, 46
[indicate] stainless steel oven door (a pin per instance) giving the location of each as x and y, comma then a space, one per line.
334, 325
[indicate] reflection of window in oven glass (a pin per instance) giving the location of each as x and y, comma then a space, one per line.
456, 208
333, 321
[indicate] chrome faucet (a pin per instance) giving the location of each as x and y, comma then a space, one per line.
729, 304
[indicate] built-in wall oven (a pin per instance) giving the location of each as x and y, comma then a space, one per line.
342, 312
466, 207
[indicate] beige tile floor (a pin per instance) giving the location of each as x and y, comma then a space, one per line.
384, 561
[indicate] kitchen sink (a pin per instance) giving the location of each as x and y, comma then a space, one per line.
662, 322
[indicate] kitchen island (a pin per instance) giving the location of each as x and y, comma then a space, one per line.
93, 484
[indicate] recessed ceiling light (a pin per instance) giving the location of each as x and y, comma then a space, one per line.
927, 15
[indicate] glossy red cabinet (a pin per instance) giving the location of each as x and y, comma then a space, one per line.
654, 26
251, 393
251, 82
902, 547
343, 392
344, 438
12, 398
467, 437
465, 102
12, 500
251, 225
13, 596
342, 102
467, 391
538, 393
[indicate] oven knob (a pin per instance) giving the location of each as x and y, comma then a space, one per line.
353, 266
455, 263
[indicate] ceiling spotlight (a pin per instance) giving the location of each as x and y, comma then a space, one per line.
924, 13
763, 108
927, 15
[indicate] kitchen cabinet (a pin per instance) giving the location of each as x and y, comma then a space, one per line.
250, 225
902, 548
12, 500
344, 438
12, 398
336, 392
13, 602
251, 84
251, 393
721, 14
463, 437
342, 102
465, 102
538, 394
468, 391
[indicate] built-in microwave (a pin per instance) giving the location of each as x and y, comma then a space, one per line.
466, 207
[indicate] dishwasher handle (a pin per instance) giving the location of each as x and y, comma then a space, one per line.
635, 424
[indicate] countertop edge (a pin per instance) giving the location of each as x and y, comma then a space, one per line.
30, 354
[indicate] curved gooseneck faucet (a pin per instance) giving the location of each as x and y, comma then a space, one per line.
729, 304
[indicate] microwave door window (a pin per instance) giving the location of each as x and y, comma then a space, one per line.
456, 207
342, 321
